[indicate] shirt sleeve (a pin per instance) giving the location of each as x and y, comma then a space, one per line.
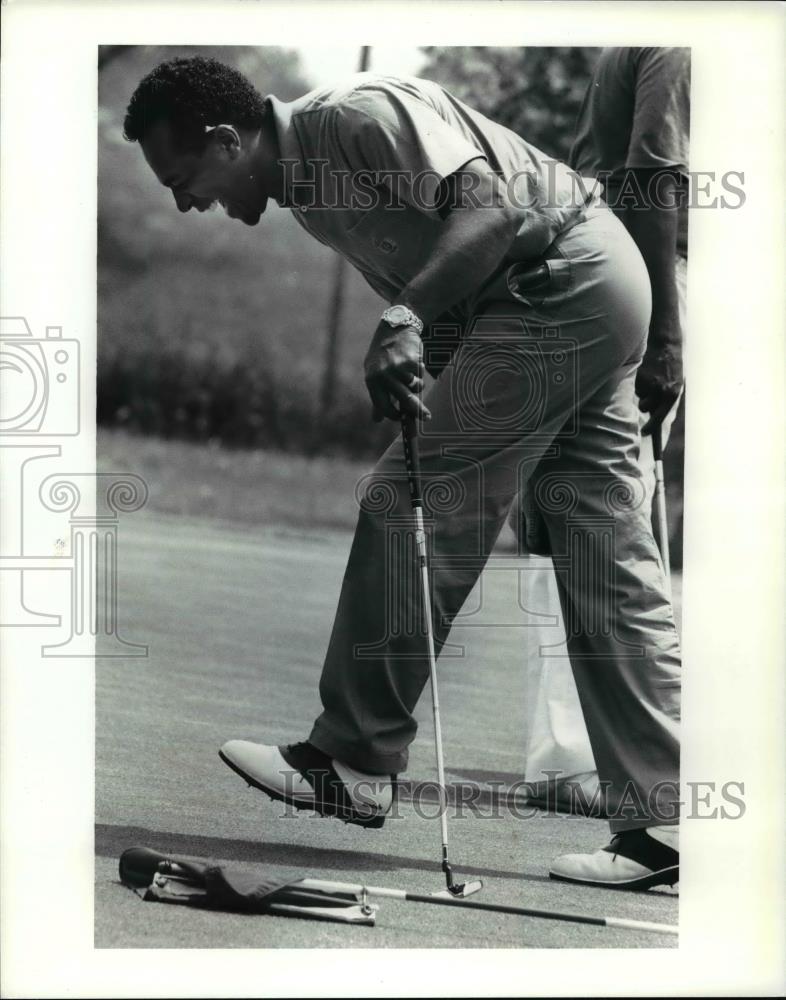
660, 135
404, 142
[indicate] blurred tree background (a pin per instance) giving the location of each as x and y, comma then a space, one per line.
211, 331
536, 92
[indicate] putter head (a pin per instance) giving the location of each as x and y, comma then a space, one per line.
460, 891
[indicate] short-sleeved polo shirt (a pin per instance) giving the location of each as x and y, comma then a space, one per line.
636, 114
365, 160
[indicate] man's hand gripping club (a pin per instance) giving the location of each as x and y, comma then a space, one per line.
394, 372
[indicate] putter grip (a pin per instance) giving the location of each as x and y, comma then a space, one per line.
657, 444
409, 437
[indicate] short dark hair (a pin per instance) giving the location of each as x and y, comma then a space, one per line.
190, 94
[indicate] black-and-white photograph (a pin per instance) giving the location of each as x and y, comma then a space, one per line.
448, 478
380, 568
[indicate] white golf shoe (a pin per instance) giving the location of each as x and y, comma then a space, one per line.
306, 778
635, 859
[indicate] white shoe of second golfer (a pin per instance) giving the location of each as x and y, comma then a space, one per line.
598, 868
635, 859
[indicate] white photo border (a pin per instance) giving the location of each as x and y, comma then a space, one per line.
731, 905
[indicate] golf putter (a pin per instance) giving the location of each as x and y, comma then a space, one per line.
412, 461
660, 501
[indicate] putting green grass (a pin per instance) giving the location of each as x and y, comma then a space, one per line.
245, 487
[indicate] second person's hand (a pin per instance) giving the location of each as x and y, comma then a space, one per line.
659, 384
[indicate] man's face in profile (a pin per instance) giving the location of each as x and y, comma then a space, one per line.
220, 173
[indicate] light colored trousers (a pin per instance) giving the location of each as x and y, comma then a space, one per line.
559, 747
542, 386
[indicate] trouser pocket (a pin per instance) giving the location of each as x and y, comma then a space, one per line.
539, 286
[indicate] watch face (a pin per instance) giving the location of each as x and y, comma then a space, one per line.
397, 314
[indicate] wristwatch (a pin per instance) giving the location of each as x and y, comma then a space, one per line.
402, 316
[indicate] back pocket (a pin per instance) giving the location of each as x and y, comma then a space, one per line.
539, 287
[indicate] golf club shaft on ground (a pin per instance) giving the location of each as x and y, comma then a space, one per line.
378, 892
412, 461
660, 501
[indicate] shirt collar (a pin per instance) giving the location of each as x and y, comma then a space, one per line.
283, 113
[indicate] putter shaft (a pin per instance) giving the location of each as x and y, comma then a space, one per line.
420, 537
412, 461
